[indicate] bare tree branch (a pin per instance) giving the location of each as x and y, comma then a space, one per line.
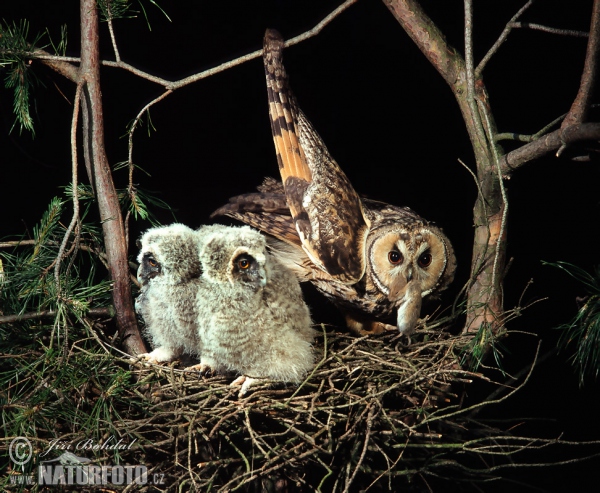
579, 108
107, 312
61, 63
111, 30
547, 144
430, 40
501, 39
108, 203
548, 29
255, 54
16, 243
74, 159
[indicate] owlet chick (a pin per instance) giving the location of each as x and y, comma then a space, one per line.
169, 273
252, 318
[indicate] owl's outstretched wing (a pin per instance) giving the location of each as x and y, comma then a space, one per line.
266, 210
326, 210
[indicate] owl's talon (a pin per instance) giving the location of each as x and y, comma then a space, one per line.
245, 382
201, 368
159, 355
145, 359
367, 327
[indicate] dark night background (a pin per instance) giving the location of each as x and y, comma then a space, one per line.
387, 117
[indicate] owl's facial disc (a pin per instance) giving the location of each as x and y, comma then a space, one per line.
247, 269
149, 268
403, 256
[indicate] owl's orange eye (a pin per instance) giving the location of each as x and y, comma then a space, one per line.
425, 259
243, 263
395, 257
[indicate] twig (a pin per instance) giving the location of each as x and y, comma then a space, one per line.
501, 39
136, 121
514, 378
75, 218
478, 128
528, 138
547, 29
16, 243
485, 403
258, 53
111, 30
56, 61
104, 312
369, 423
495, 281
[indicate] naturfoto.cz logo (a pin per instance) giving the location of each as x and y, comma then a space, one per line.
70, 469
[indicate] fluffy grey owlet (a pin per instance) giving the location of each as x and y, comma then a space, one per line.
252, 318
169, 273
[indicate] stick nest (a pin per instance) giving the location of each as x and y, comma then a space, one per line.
369, 415
375, 414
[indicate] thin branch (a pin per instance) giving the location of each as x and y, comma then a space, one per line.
547, 29
134, 125
16, 243
111, 30
102, 312
581, 105
258, 53
75, 218
58, 62
501, 39
528, 138
470, 72
513, 379
501, 234
435, 417
369, 422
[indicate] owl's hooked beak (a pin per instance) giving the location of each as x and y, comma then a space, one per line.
262, 277
400, 285
257, 276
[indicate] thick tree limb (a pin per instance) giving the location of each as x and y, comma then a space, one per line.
484, 304
108, 203
430, 40
551, 142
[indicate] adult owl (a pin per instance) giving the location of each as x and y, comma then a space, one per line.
372, 259
169, 273
252, 318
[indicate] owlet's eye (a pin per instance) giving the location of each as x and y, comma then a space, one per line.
150, 260
243, 263
395, 257
425, 259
